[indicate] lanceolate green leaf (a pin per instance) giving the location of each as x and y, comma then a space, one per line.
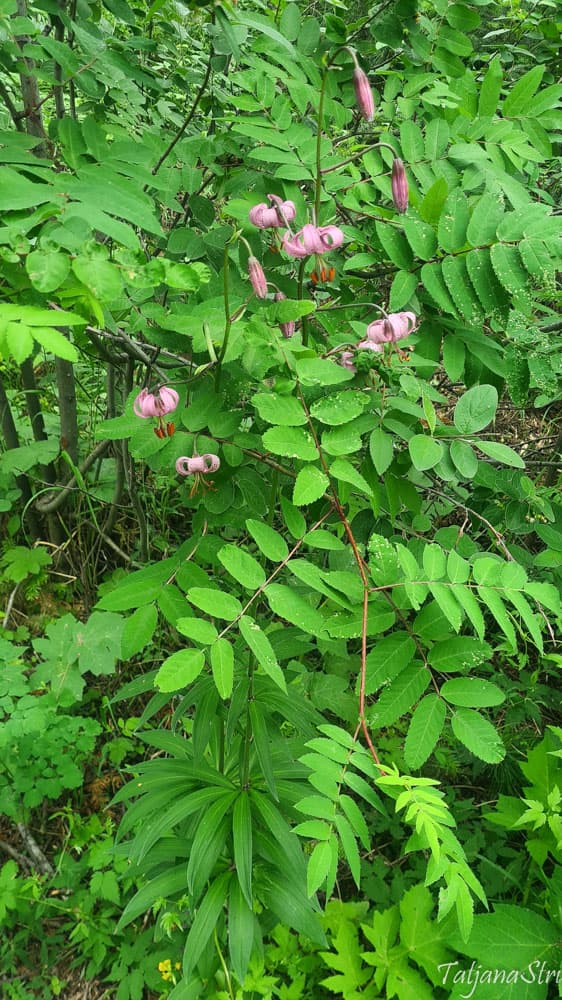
478, 735
205, 921
425, 729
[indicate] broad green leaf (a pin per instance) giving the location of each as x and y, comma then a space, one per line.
321, 371
454, 356
495, 605
460, 653
486, 216
472, 692
453, 222
215, 603
478, 735
319, 865
508, 267
198, 629
425, 451
419, 234
242, 566
464, 458
138, 631
291, 442
434, 282
456, 277
55, 342
399, 696
286, 603
447, 600
350, 849
490, 88
47, 269
513, 937
339, 408
344, 471
269, 541
476, 409
519, 101
436, 140
18, 192
262, 649
19, 341
411, 141
165, 886
381, 450
180, 669
387, 659
222, 665
501, 453
403, 288
36, 316
286, 411
395, 245
424, 730
310, 484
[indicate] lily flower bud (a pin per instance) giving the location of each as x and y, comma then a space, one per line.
287, 329
363, 94
257, 277
399, 186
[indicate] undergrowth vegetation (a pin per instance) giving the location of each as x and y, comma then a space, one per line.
280, 383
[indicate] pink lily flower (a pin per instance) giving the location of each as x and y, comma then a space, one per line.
388, 330
312, 240
201, 464
148, 404
282, 213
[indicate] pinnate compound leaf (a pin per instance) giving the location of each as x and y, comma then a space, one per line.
478, 735
425, 729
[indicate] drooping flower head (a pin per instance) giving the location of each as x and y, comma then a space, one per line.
363, 94
198, 466
148, 404
314, 241
281, 214
257, 277
399, 184
394, 327
287, 329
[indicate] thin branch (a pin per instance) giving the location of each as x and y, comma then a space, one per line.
189, 118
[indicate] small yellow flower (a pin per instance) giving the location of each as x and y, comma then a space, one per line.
177, 965
164, 966
166, 976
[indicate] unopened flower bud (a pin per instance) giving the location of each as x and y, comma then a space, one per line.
399, 186
363, 94
287, 329
257, 277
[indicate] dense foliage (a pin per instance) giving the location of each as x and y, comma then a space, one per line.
280, 374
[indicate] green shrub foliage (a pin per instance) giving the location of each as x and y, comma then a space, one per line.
302, 432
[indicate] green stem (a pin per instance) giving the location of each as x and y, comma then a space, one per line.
300, 289
319, 147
